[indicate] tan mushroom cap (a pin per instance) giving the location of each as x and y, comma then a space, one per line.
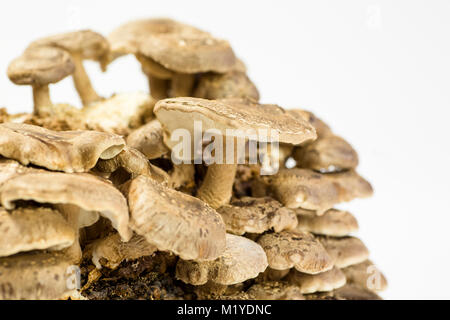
325, 281
345, 251
366, 275
242, 259
322, 129
113, 250
174, 221
85, 191
148, 139
69, 151
350, 185
331, 153
273, 275
11, 168
256, 215
300, 250
333, 222
26, 229
275, 290
354, 292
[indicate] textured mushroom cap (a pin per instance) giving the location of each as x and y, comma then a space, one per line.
11, 168
333, 222
366, 275
331, 153
35, 275
148, 139
325, 281
275, 290
113, 250
225, 114
26, 229
86, 191
69, 151
242, 259
256, 215
345, 251
228, 85
301, 250
41, 66
350, 185
322, 129
175, 221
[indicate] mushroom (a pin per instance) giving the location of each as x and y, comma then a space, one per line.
174, 221
11, 168
345, 251
40, 67
256, 215
275, 290
148, 139
366, 275
333, 222
226, 114
242, 259
273, 275
325, 281
322, 129
350, 185
354, 292
69, 151
300, 250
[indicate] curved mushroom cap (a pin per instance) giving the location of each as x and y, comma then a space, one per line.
275, 290
69, 151
301, 250
226, 114
345, 251
148, 139
366, 275
228, 85
350, 185
322, 129
26, 229
354, 292
331, 153
41, 66
325, 281
333, 222
256, 215
11, 168
36, 276
111, 251
85, 191
175, 221
242, 259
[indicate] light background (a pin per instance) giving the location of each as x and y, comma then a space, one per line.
377, 71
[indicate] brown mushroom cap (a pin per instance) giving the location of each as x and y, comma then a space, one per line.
242, 259
275, 290
148, 139
26, 229
175, 221
85, 191
301, 250
41, 66
325, 281
69, 151
322, 129
345, 251
256, 215
333, 222
350, 185
366, 275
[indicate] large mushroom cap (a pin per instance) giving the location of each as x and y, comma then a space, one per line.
69, 151
325, 281
41, 66
345, 251
242, 259
333, 222
175, 221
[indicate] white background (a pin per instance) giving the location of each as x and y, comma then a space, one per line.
377, 71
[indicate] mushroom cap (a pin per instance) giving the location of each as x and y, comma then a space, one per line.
354, 292
26, 229
175, 221
69, 151
322, 129
256, 215
350, 185
301, 250
175, 113
40, 66
366, 275
325, 281
333, 222
345, 251
148, 139
11, 168
275, 290
242, 259
85, 191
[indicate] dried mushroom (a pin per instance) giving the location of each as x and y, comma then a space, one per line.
148, 139
366, 275
325, 281
333, 222
345, 251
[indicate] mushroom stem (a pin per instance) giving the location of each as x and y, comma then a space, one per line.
72, 214
217, 187
182, 84
41, 97
158, 87
82, 83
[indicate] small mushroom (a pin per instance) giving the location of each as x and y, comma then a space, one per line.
275, 290
69, 151
174, 221
257, 215
301, 250
366, 275
333, 222
148, 139
40, 67
325, 281
345, 251
242, 259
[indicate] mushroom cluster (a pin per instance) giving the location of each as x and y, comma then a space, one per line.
98, 202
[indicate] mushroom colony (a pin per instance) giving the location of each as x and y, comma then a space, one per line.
93, 205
